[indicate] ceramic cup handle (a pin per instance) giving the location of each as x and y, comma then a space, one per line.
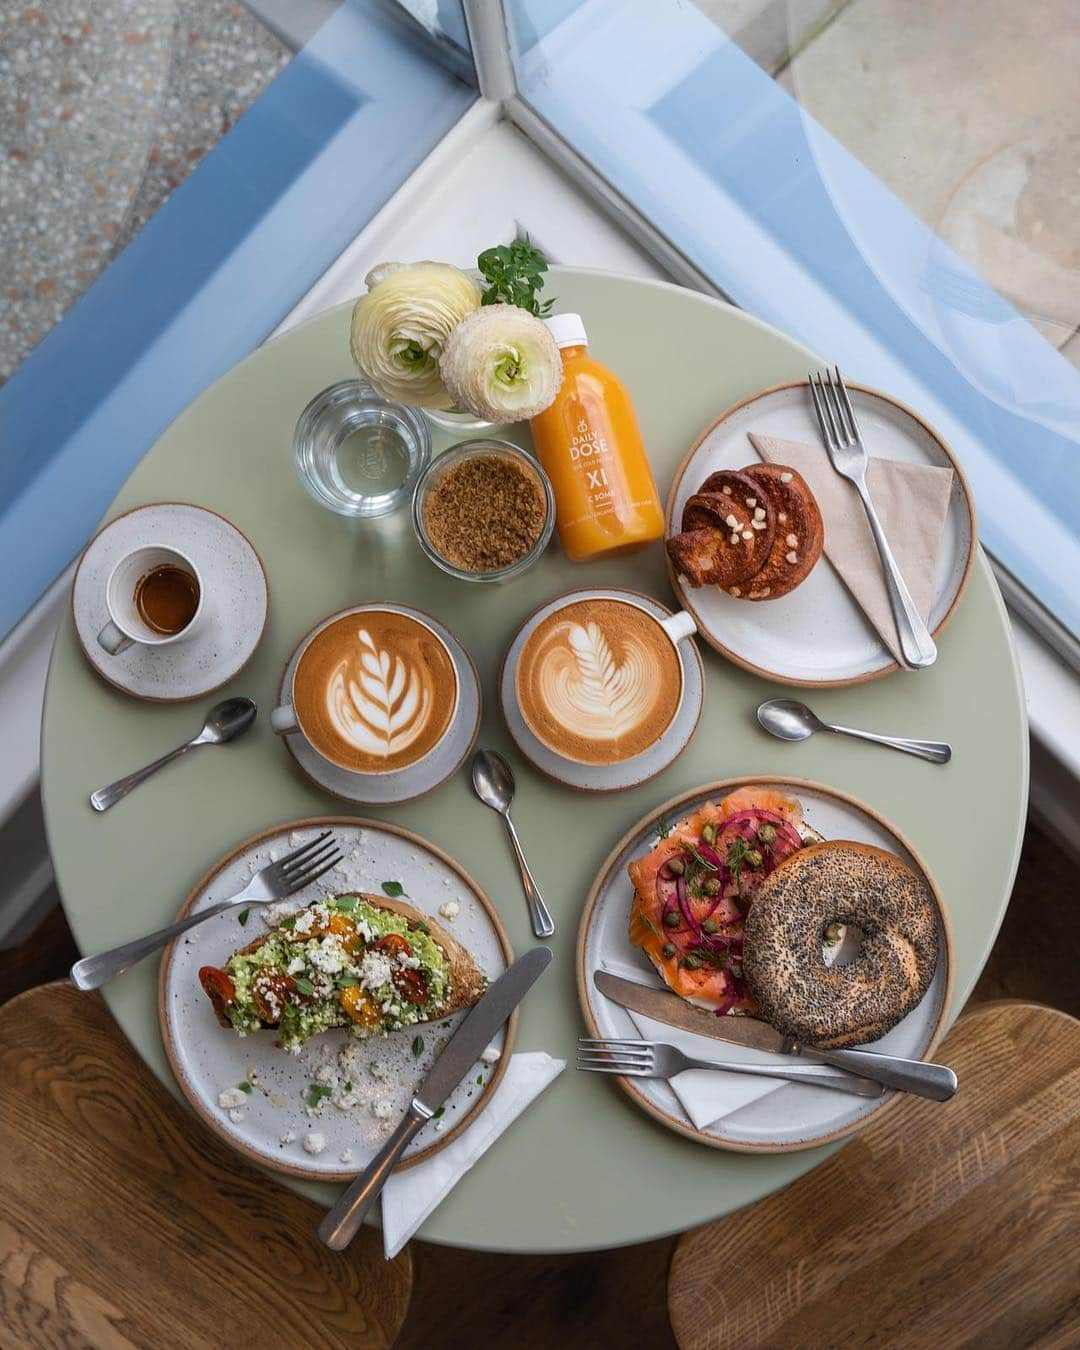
283, 720
679, 626
113, 640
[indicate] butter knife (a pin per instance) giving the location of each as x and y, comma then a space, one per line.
462, 1051
905, 1075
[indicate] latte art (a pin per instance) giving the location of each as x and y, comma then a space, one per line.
381, 708
599, 681
375, 691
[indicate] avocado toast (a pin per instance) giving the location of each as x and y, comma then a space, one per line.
369, 964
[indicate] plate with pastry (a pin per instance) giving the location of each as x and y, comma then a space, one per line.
771, 552
776, 899
299, 1030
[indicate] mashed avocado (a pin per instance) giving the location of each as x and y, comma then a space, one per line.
340, 963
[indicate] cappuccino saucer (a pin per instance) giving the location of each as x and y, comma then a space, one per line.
235, 606
623, 774
399, 785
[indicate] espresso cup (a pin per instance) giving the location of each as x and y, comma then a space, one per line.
599, 679
374, 690
126, 625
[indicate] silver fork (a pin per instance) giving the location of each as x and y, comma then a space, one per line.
840, 432
274, 882
654, 1059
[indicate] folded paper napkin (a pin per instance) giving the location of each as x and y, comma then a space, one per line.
410, 1197
705, 1095
912, 501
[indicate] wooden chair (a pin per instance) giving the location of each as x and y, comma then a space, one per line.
937, 1226
125, 1222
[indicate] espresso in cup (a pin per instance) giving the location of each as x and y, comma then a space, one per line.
374, 691
155, 597
599, 681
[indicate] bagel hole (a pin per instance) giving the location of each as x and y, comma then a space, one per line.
841, 943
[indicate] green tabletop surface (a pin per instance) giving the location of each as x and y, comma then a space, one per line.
582, 1168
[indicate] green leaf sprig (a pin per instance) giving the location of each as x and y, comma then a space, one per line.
514, 274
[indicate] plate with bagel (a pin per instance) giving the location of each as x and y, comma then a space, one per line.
299, 1030
755, 557
779, 899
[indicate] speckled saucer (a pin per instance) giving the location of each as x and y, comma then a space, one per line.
401, 785
273, 1121
235, 604
626, 773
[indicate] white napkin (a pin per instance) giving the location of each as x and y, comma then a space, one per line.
705, 1095
410, 1197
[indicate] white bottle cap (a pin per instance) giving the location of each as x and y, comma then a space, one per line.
567, 330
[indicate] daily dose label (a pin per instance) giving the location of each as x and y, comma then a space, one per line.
592, 458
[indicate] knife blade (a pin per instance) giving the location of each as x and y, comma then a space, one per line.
461, 1053
936, 1082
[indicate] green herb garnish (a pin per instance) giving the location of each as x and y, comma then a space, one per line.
479, 1080
316, 1093
514, 273
649, 924
736, 856
245, 1086
345, 904
422, 927
346, 981
417, 1046
663, 828
242, 917
436, 1114
305, 987
393, 889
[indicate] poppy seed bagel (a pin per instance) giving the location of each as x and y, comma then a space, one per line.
845, 883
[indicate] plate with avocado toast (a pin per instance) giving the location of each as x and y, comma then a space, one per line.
299, 1030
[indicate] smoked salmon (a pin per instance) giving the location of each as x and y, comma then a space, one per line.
693, 889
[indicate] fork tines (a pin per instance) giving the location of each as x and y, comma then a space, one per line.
613, 1055
835, 415
309, 862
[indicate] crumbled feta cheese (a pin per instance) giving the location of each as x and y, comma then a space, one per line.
295, 838
375, 970
281, 909
440, 1124
295, 1050
296, 965
328, 955
236, 1116
450, 909
289, 1137
314, 1142
383, 1110
382, 1070
275, 854
408, 962
491, 1055
346, 1155
304, 922
327, 1075
354, 855
231, 1098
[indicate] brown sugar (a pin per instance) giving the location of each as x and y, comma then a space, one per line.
485, 512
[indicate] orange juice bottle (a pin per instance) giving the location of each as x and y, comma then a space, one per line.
590, 446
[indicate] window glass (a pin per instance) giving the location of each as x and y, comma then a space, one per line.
895, 185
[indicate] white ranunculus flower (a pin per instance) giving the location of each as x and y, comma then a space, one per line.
502, 364
400, 328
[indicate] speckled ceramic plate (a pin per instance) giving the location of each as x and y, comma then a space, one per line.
627, 773
402, 785
207, 1059
817, 635
794, 1116
235, 603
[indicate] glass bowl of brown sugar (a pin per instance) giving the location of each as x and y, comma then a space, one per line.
484, 510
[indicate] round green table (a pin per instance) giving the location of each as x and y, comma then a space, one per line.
582, 1168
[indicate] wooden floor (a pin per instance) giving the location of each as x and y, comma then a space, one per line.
463, 1299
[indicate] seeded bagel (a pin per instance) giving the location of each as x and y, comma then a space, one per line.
799, 535
844, 883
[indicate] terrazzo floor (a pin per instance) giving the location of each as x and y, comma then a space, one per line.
105, 107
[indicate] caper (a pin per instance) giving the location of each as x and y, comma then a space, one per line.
766, 833
676, 867
691, 962
753, 857
709, 834
672, 920
669, 949
710, 926
711, 886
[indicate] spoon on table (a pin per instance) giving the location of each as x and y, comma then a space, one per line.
224, 722
493, 783
791, 720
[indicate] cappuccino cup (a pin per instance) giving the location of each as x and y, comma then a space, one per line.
155, 597
374, 690
599, 679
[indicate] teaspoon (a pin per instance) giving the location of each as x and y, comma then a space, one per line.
790, 720
493, 783
224, 722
